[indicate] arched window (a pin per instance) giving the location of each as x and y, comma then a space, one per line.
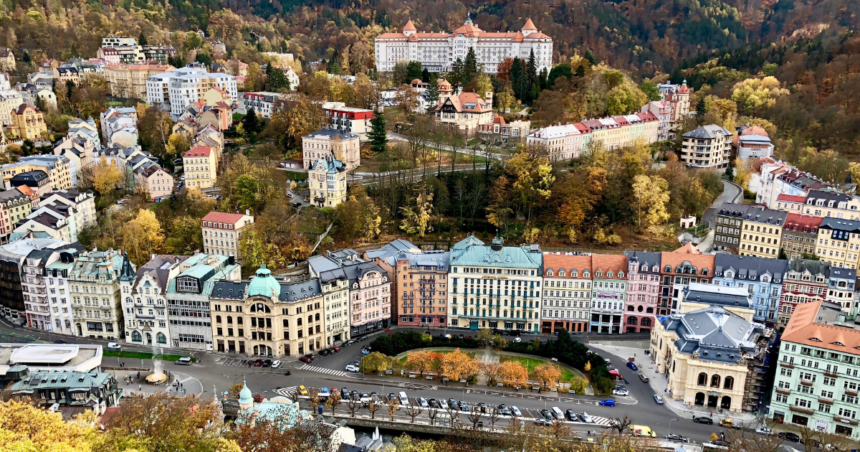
715, 381
229, 320
729, 383
703, 379
310, 318
217, 319
299, 321
549, 272
161, 338
646, 321
632, 321
317, 317
135, 336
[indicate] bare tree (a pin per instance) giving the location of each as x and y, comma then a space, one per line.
494, 416
453, 415
475, 416
293, 395
353, 404
431, 414
414, 411
332, 402
621, 424
815, 439
749, 441
392, 409
373, 407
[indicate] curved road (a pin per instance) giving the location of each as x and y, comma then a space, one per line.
731, 193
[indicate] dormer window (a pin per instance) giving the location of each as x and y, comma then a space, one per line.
561, 273
620, 274
814, 339
549, 272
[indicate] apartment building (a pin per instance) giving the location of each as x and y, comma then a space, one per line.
83, 203
840, 289
155, 181
678, 98
495, 286
422, 292
7, 60
335, 286
222, 232
663, 112
189, 314
36, 180
729, 221
514, 131
48, 307
567, 293
838, 242
609, 293
355, 121
819, 371
790, 203
761, 233
55, 166
185, 87
643, 291
201, 167
343, 145
28, 123
12, 256
144, 301
94, 284
9, 100
800, 235
831, 203
267, 317
806, 281
14, 207
464, 113
327, 181
761, 277
561, 142
263, 103
708, 147
682, 267
130, 80
753, 142
386, 258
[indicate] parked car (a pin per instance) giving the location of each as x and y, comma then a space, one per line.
462, 405
258, 363
644, 378
113, 346
586, 418
703, 420
632, 366
543, 422
483, 408
324, 393
364, 399
351, 368
348, 343
423, 402
184, 361
607, 402
267, 363
325, 352
60, 341
276, 364
311, 356
444, 405
764, 431
434, 404
503, 410
788, 436
658, 399
545, 414
335, 348
365, 351
305, 359
355, 395
620, 391
518, 339
516, 411
679, 438
571, 415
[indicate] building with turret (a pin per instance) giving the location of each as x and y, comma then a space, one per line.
438, 51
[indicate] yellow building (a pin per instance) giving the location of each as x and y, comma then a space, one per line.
761, 233
201, 168
267, 317
327, 181
56, 166
129, 80
699, 373
27, 123
838, 242
831, 204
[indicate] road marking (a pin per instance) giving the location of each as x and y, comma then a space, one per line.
286, 392
323, 370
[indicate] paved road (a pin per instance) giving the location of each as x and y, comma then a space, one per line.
731, 193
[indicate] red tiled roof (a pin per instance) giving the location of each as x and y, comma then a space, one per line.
802, 223
466, 98
20, 109
529, 25
223, 217
606, 262
803, 329
199, 152
678, 257
557, 262
391, 36
409, 26
791, 198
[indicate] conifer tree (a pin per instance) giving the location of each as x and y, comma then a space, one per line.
377, 134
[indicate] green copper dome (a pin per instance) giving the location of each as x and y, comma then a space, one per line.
264, 284
245, 395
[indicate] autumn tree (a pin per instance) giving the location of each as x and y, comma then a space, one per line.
514, 373
294, 118
652, 194
333, 401
106, 177
754, 94
547, 374
417, 218
458, 365
142, 236
375, 362
358, 219
493, 371
420, 361
406, 98
24, 427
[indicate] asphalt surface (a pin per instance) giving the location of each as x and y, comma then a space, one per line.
731, 192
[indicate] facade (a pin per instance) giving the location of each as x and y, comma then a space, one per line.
840, 289
819, 371
678, 99
189, 315
9, 100
155, 180
327, 181
130, 80
263, 103
386, 258
839, 242
28, 123
56, 166
805, 281
790, 204
7, 60
643, 292
14, 207
567, 293
267, 316
464, 113
708, 147
12, 256
761, 277
438, 51
799, 235
729, 220
37, 180
343, 145
201, 167
369, 288
64, 74
94, 391
513, 131
830, 203
83, 203
708, 354
144, 301
662, 110
48, 306
422, 292
609, 293
94, 284
561, 142
753, 142
680, 268
495, 286
186, 85
761, 233
222, 232
355, 121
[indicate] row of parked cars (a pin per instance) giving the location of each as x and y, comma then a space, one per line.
307, 359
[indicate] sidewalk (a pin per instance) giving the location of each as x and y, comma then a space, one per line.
659, 383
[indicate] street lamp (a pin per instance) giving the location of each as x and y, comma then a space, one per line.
670, 425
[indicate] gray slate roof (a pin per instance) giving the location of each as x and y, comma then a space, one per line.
645, 257
715, 333
717, 295
708, 132
749, 268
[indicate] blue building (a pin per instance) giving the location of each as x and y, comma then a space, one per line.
760, 276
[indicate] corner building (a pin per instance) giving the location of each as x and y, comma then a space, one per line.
495, 286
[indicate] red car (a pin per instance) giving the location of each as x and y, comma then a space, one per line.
258, 363
335, 348
305, 359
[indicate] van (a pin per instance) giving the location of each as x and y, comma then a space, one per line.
642, 430
184, 361
557, 413
403, 399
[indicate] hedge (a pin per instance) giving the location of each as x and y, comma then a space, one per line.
403, 341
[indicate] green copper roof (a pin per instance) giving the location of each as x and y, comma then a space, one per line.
245, 395
264, 284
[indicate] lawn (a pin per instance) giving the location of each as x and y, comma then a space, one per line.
440, 351
532, 363
140, 355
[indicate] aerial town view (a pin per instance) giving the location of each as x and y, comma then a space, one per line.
429, 226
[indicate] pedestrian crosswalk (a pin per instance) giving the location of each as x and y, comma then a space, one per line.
604, 421
286, 392
323, 370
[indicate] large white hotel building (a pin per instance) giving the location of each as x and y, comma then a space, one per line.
437, 51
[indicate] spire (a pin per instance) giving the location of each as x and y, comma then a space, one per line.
529, 26
468, 18
127, 273
409, 26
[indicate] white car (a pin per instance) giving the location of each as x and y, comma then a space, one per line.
444, 404
658, 399
114, 346
351, 368
517, 339
585, 417
276, 364
764, 431
620, 392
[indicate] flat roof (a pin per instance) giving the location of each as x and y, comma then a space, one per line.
78, 357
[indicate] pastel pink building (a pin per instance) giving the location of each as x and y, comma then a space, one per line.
643, 291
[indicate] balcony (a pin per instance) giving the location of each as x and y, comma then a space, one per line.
851, 392
844, 420
801, 409
786, 364
831, 374
825, 400
806, 382
783, 391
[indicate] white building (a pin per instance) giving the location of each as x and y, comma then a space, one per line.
177, 89
438, 51
222, 231
9, 100
262, 102
567, 293
561, 142
83, 203
46, 295
94, 284
663, 111
144, 301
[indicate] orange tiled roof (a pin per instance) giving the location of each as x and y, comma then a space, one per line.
561, 261
803, 329
409, 26
466, 98
223, 217
200, 151
791, 198
606, 262
678, 257
529, 25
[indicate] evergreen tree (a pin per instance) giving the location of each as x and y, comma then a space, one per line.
532, 68
413, 71
283, 46
700, 109
432, 93
580, 71
26, 57
142, 40
250, 122
377, 135
277, 79
205, 58
333, 67
590, 57
562, 70
470, 67
425, 75
456, 76
519, 79
544, 79
40, 103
